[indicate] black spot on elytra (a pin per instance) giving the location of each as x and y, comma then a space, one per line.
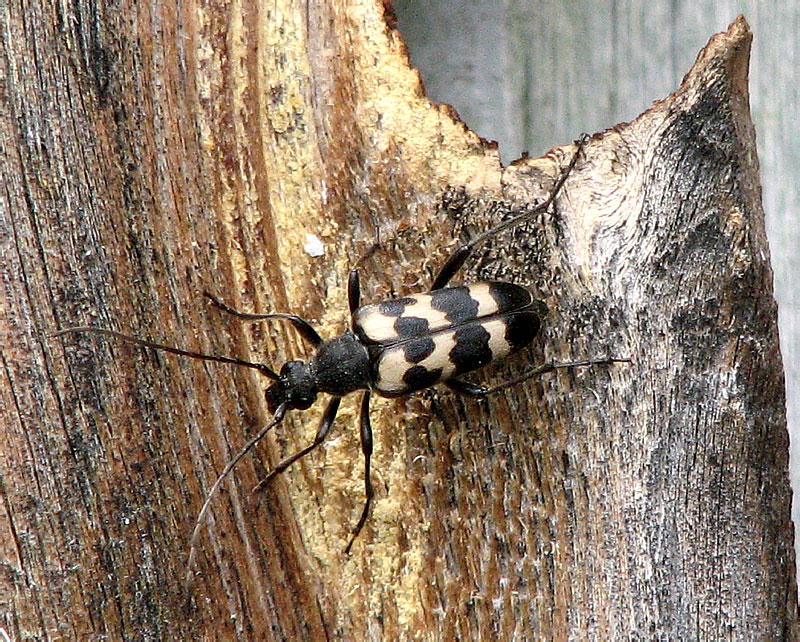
407, 327
509, 297
395, 308
419, 349
471, 350
521, 328
456, 304
419, 377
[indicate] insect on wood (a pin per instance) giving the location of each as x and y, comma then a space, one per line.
393, 348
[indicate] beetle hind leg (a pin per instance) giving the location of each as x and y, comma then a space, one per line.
475, 391
462, 253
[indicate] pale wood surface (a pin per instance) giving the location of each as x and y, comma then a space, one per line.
150, 154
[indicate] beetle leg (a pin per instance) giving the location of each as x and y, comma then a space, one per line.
456, 260
301, 325
366, 448
353, 290
322, 432
466, 388
473, 390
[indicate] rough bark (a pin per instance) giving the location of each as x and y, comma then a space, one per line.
149, 155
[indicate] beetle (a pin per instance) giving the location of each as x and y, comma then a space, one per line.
392, 348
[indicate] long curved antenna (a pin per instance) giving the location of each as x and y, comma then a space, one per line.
276, 419
265, 370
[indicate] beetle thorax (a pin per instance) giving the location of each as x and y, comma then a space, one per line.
341, 366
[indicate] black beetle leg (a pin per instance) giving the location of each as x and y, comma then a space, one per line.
301, 325
322, 432
456, 260
353, 290
366, 447
473, 390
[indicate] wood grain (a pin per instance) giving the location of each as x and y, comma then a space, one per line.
152, 153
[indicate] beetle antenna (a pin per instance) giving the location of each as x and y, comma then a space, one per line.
263, 369
276, 419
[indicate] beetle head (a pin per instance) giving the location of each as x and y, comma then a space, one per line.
294, 387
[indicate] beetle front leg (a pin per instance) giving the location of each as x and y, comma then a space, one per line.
301, 325
322, 432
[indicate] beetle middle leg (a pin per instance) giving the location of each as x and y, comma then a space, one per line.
366, 448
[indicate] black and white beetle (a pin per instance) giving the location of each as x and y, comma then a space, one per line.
394, 348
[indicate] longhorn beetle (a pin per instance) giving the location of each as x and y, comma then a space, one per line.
393, 348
